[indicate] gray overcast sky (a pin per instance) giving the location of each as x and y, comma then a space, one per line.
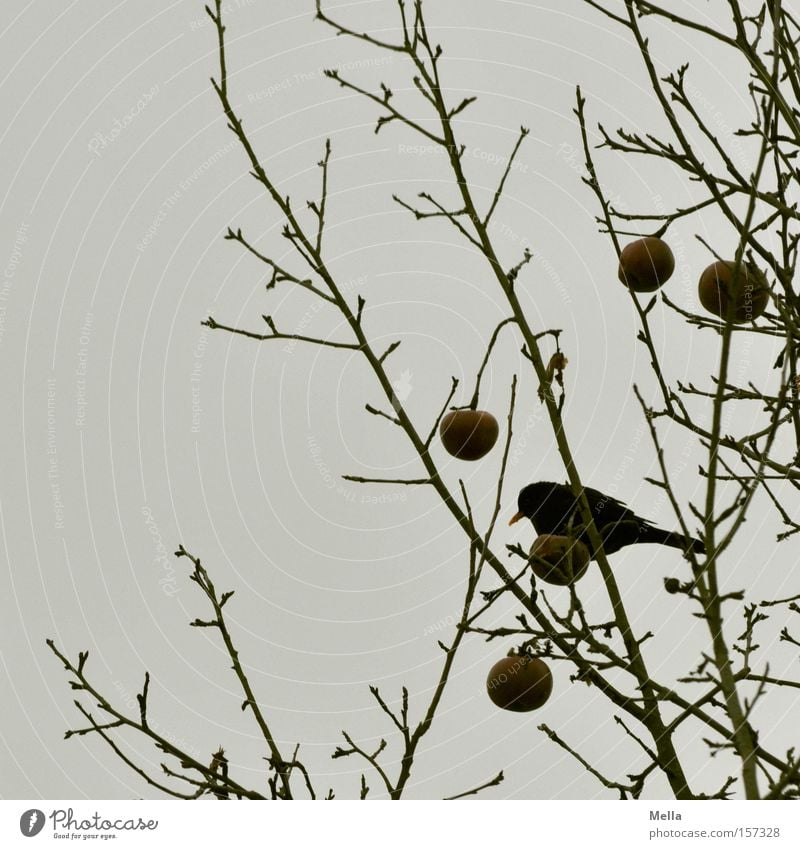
129, 428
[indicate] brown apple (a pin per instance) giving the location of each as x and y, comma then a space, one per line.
519, 683
716, 286
469, 434
558, 560
646, 264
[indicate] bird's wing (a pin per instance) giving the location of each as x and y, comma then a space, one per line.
619, 511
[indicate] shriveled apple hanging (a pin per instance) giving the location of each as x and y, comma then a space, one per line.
519, 683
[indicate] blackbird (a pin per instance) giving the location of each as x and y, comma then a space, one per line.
552, 506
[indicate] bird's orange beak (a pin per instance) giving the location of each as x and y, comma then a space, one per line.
516, 518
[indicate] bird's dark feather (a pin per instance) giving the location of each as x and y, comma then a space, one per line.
553, 509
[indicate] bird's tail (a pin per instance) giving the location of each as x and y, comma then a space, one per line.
656, 535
